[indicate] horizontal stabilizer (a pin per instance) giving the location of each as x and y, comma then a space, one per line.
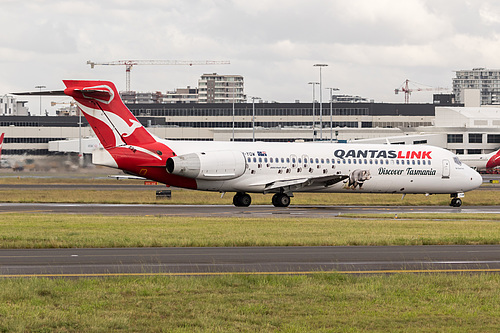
41, 93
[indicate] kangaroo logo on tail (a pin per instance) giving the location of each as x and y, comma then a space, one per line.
111, 120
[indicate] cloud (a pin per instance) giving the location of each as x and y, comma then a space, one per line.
370, 46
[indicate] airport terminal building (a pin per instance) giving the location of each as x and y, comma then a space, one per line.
461, 129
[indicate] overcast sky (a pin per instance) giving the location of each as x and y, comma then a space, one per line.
371, 47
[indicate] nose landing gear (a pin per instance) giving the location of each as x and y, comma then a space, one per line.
455, 199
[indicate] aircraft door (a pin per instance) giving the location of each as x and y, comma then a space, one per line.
446, 169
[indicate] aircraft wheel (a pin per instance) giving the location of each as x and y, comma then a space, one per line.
456, 202
242, 199
281, 200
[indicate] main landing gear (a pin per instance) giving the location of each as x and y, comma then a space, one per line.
242, 199
455, 200
281, 200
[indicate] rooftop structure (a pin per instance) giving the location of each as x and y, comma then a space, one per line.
181, 95
10, 106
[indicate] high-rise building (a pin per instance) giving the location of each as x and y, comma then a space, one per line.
487, 81
215, 88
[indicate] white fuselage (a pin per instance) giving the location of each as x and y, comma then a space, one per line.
370, 168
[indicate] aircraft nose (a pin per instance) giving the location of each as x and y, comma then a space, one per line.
475, 179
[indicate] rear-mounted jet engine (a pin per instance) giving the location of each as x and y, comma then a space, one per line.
210, 165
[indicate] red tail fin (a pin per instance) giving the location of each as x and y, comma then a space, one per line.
1, 143
110, 119
494, 161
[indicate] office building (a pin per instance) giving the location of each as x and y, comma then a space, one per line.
486, 81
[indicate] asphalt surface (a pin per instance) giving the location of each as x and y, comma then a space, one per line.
248, 260
240, 260
231, 211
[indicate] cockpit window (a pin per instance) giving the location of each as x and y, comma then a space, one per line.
457, 160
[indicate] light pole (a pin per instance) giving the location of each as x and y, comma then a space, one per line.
40, 87
253, 117
313, 102
320, 101
331, 112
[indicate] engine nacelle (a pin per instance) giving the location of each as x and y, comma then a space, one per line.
210, 165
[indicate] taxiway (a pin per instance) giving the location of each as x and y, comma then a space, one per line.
231, 211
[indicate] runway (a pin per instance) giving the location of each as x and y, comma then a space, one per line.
231, 211
248, 260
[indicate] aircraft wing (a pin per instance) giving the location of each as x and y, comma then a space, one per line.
298, 183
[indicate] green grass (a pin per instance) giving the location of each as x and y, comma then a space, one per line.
66, 231
324, 302
214, 198
316, 303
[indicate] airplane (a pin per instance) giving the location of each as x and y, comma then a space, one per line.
482, 162
1, 143
261, 167
3, 163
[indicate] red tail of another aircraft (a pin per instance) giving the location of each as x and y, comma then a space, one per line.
1, 143
493, 161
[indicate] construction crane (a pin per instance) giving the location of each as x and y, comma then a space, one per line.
72, 105
405, 87
130, 63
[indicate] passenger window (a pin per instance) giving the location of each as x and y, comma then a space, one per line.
249, 159
260, 159
327, 161
270, 160
255, 160
265, 159
287, 160
413, 162
376, 161
282, 160
322, 161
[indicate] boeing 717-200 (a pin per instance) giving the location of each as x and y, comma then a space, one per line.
262, 167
